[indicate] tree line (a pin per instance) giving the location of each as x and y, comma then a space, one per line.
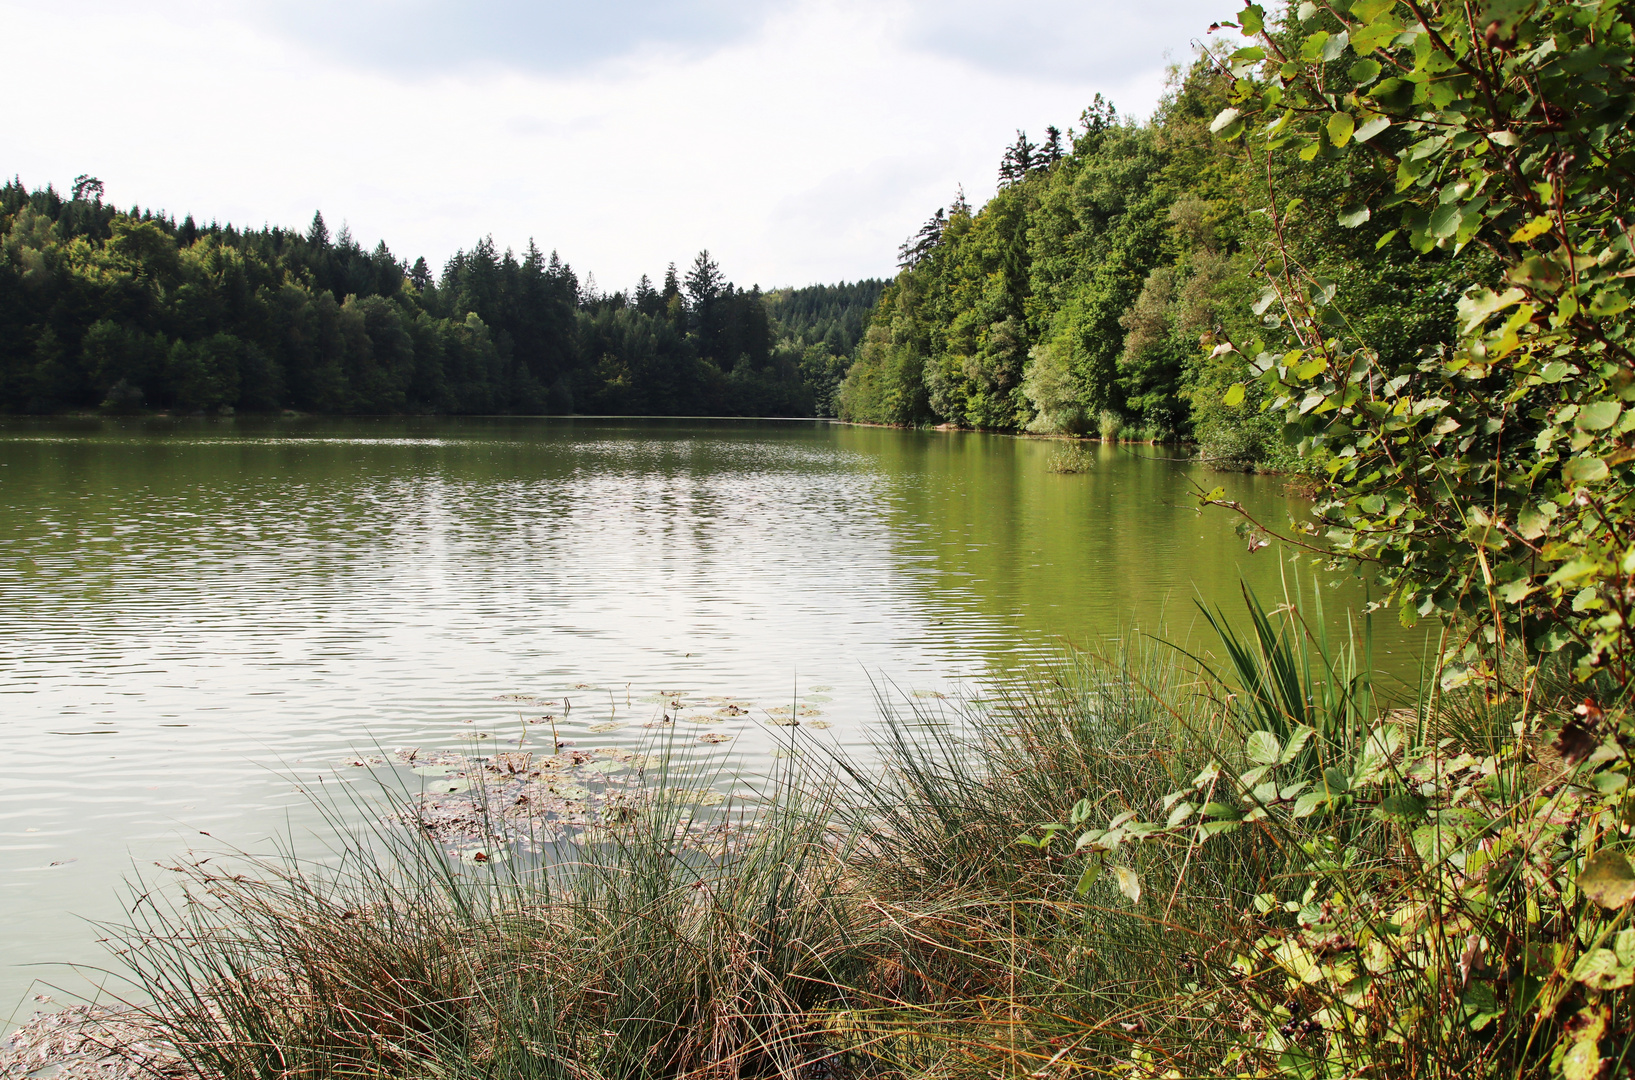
126, 310
1087, 294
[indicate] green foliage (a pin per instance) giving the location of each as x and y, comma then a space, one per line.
1489, 477
1439, 910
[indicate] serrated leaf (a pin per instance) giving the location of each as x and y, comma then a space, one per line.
1608, 879
1364, 72
1371, 128
1340, 126
1599, 969
1233, 396
1297, 742
1179, 813
1444, 221
1586, 470
1598, 416
1308, 803
1354, 217
1262, 747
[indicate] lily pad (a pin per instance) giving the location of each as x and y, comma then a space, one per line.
606, 767
606, 725
451, 786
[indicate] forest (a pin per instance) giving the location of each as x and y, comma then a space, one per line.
130, 310
1089, 295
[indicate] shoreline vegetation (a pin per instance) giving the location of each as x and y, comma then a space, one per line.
1142, 863
881, 915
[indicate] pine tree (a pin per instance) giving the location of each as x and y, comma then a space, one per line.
1051, 152
318, 232
1020, 160
915, 249
648, 301
704, 281
420, 276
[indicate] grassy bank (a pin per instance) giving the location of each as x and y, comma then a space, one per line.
1272, 869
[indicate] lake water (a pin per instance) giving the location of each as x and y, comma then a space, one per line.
199, 615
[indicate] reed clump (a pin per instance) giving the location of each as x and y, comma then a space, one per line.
1133, 863
1071, 458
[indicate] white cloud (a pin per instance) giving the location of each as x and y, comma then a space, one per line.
801, 146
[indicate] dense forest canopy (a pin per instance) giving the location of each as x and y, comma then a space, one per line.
130, 309
1086, 295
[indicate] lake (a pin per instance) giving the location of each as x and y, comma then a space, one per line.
201, 615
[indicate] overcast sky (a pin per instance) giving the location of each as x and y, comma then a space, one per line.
799, 140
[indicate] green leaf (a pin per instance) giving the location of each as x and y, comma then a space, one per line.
1402, 806
1262, 747
1481, 1006
1340, 127
1585, 470
1252, 19
1233, 395
1297, 742
1364, 72
1371, 127
1092, 870
1538, 272
1223, 119
1352, 217
1308, 803
1598, 416
1608, 302
1444, 221
1386, 239
1599, 969
1608, 879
